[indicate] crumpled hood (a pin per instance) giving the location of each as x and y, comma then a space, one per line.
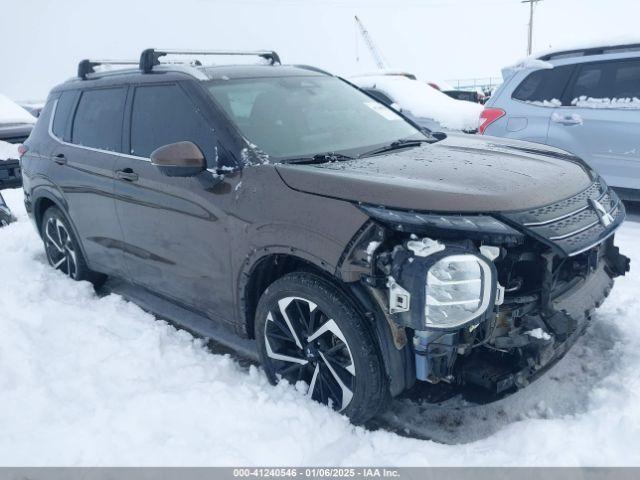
463, 173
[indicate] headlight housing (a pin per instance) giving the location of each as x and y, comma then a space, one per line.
458, 290
446, 286
478, 227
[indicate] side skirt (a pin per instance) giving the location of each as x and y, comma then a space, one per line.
185, 319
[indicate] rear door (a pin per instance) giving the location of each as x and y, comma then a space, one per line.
174, 227
600, 120
533, 103
87, 127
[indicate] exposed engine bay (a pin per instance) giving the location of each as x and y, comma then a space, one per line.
483, 300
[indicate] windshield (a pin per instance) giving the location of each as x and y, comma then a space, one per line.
297, 117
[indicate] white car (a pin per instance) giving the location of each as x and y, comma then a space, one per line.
421, 102
15, 122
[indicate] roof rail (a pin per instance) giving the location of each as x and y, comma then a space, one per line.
86, 66
584, 52
151, 57
314, 69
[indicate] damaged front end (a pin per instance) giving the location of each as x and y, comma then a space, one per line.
490, 301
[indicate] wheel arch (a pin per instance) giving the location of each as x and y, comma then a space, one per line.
270, 267
46, 199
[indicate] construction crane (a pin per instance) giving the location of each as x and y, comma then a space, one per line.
377, 56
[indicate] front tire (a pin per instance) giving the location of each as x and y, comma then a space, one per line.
307, 330
63, 250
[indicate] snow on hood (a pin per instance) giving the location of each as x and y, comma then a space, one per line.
424, 101
11, 112
8, 151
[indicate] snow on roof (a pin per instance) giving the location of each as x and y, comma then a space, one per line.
424, 101
11, 112
524, 64
534, 60
610, 42
386, 71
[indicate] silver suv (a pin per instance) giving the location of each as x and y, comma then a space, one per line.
584, 101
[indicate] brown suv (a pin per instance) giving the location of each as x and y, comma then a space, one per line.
285, 205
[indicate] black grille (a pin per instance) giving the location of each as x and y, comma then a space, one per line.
575, 224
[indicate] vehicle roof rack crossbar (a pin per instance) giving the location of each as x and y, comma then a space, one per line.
151, 57
584, 52
86, 66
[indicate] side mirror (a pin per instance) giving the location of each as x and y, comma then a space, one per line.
439, 135
181, 159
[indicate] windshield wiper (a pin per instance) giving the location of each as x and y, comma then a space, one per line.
320, 158
397, 145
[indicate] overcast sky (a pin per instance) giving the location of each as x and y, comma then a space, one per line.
42, 41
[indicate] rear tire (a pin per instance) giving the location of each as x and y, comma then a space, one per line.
308, 330
63, 250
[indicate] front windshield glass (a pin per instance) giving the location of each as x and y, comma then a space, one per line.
303, 116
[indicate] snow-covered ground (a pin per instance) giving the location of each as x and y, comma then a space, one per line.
86, 380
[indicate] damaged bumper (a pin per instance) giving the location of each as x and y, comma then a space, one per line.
523, 357
493, 302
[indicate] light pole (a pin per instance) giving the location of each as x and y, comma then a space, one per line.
530, 37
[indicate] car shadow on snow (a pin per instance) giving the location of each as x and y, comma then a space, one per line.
561, 391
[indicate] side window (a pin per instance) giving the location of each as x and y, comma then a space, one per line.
64, 111
164, 114
98, 120
589, 81
545, 85
607, 85
626, 83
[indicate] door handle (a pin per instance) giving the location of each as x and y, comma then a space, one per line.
572, 119
60, 159
127, 174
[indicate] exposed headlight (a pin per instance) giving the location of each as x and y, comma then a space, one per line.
458, 290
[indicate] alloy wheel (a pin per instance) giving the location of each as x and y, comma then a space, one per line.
304, 344
59, 247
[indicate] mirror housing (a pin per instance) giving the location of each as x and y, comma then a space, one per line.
181, 159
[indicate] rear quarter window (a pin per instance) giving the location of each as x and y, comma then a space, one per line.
98, 119
543, 86
63, 113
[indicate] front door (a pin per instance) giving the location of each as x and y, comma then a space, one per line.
175, 228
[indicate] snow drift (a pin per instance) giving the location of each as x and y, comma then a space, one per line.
86, 380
